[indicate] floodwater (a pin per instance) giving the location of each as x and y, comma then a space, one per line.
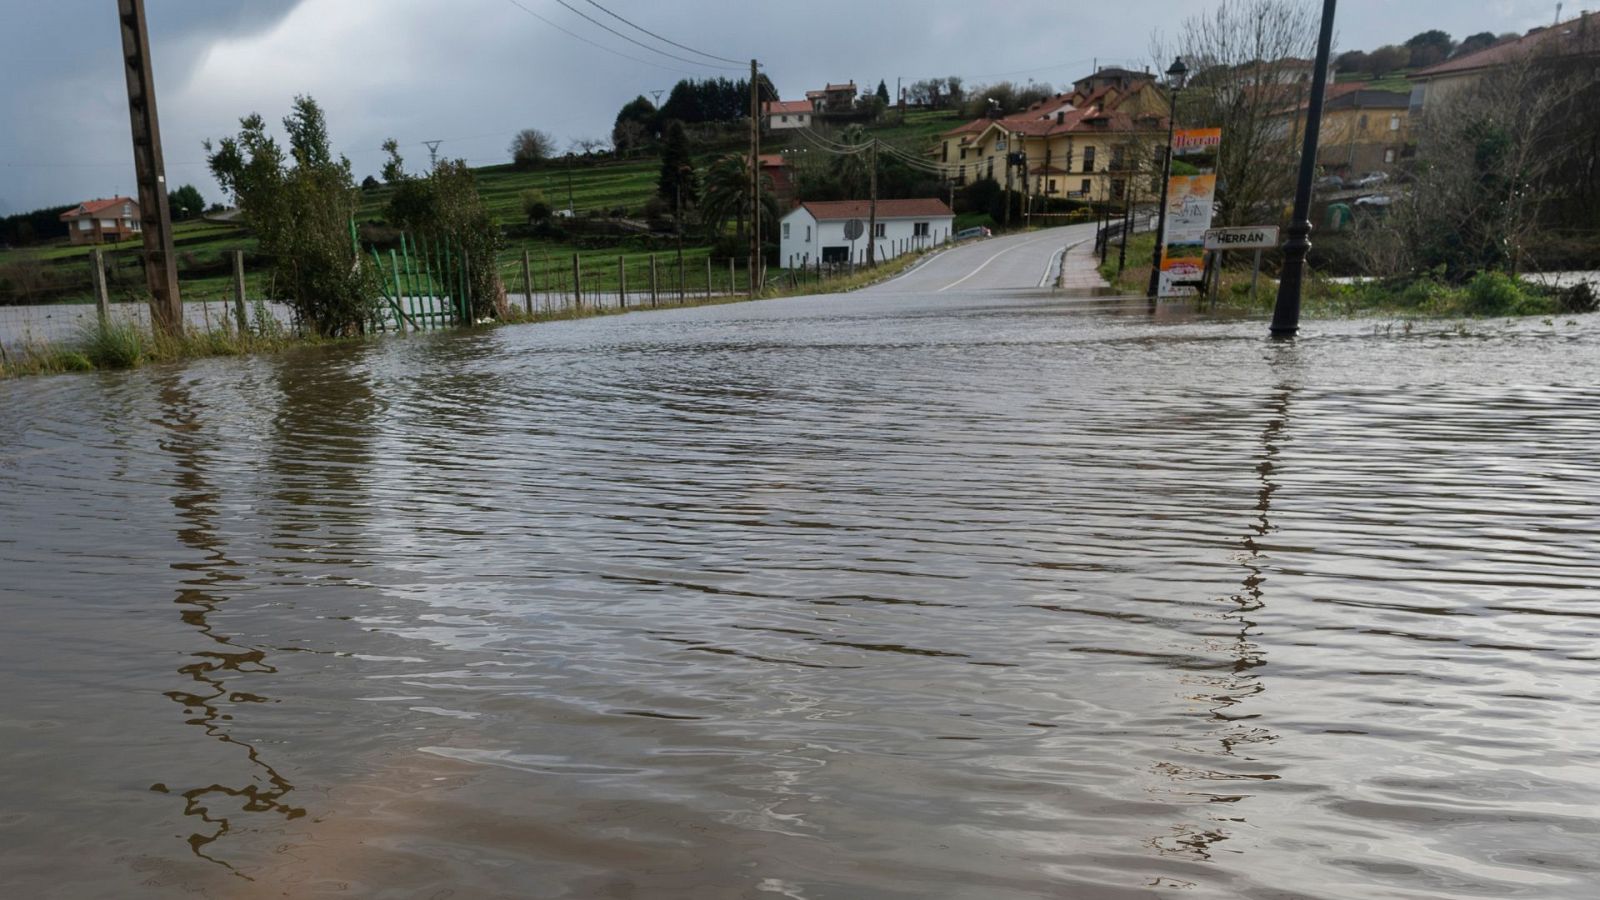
876, 596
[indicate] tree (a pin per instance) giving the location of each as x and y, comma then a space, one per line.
300, 205
1257, 43
186, 203
1351, 61
727, 196
531, 147
446, 209
1492, 159
883, 92
589, 146
394, 168
1387, 59
1483, 40
1428, 48
635, 125
370, 184
535, 208
677, 180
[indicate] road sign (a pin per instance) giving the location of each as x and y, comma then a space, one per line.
854, 229
1259, 237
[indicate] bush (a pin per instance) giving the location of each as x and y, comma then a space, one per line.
535, 208
1497, 294
113, 345
1580, 298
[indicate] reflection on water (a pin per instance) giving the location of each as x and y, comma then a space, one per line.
221, 672
983, 596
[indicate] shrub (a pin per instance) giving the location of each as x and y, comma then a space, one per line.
1580, 298
113, 345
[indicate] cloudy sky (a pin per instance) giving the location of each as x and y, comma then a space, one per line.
473, 72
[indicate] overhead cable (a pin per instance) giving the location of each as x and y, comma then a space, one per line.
660, 38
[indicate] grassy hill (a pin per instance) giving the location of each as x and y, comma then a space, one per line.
204, 248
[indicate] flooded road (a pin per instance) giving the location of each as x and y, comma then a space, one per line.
890, 595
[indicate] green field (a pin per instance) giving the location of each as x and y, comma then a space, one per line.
203, 247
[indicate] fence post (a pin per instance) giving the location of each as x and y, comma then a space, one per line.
466, 287
102, 297
622, 282
238, 290
527, 282
708, 278
732, 281
680, 279
655, 299
577, 283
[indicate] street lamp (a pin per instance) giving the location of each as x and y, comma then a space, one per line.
1286, 314
1175, 80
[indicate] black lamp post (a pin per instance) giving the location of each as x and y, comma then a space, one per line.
1175, 79
1286, 315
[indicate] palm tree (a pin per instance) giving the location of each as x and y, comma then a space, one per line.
727, 196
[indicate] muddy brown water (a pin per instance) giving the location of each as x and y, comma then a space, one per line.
970, 596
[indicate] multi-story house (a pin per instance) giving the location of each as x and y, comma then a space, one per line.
103, 221
1072, 146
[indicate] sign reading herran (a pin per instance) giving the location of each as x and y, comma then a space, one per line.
1258, 237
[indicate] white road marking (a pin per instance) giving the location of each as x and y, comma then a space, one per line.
990, 260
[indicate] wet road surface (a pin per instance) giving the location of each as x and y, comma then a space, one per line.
900, 594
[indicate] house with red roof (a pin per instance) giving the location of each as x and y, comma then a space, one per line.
103, 221
782, 115
821, 231
1574, 38
1083, 145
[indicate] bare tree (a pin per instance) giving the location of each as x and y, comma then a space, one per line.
531, 147
588, 146
1248, 64
1492, 158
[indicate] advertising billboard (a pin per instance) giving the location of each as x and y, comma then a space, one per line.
1190, 202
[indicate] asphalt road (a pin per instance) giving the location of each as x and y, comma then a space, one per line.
1031, 260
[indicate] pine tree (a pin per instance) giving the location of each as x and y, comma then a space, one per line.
677, 167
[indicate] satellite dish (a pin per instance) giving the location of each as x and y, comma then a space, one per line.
853, 229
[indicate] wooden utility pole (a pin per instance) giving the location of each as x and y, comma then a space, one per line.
872, 211
755, 178
150, 172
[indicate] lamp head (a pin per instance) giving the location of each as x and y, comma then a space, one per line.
1178, 74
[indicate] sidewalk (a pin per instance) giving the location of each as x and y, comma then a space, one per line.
1080, 269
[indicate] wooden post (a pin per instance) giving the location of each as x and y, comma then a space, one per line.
622, 282
733, 287
238, 290
577, 283
655, 297
102, 297
527, 282
708, 278
150, 171
680, 278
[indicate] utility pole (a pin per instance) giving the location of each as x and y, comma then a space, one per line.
755, 180
150, 171
433, 154
872, 211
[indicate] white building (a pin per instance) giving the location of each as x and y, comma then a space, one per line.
780, 115
816, 231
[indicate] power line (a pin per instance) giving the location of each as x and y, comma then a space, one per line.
660, 38
575, 35
572, 9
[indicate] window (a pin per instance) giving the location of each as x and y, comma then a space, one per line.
1052, 185
786, 231
783, 118
1088, 160
944, 152
1394, 122
919, 229
991, 167
961, 173
1388, 155
1117, 187
808, 234
882, 230
1086, 186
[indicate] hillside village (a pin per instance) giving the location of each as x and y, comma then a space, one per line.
992, 156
